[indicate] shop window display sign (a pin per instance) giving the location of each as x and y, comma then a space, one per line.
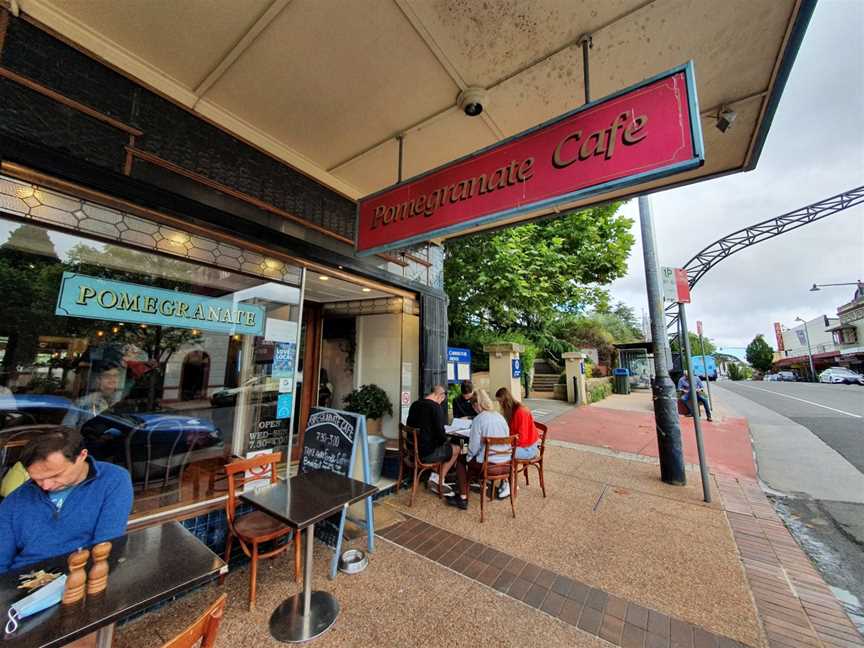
106, 299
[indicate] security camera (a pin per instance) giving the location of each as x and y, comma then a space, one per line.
725, 118
472, 101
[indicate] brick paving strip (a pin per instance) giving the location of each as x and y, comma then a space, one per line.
592, 610
796, 607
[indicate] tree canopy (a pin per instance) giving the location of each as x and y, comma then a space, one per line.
695, 346
522, 278
760, 354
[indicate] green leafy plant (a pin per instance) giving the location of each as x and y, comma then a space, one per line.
759, 354
599, 392
370, 400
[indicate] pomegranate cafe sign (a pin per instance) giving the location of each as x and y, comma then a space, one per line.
648, 131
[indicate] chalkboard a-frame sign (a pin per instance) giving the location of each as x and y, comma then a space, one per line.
330, 443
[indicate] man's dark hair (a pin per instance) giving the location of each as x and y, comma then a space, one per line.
65, 440
467, 387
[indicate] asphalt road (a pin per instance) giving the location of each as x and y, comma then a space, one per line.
820, 499
834, 413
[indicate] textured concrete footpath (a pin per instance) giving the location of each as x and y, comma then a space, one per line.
633, 431
611, 555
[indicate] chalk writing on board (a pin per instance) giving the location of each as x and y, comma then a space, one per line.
328, 441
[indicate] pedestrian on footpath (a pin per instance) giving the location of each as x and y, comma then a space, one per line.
684, 388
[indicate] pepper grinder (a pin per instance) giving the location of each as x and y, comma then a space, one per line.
97, 579
77, 579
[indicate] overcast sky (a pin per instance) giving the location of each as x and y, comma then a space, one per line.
815, 149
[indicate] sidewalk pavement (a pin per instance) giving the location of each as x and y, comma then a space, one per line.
611, 555
628, 426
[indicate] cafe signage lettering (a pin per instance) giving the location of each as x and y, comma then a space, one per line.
106, 299
645, 132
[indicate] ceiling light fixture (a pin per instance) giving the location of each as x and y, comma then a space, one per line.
367, 290
324, 278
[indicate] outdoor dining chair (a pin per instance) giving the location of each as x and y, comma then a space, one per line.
409, 457
522, 465
203, 629
496, 472
256, 527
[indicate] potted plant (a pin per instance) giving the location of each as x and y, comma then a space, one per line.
372, 401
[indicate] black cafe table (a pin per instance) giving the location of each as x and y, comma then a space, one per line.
147, 566
301, 502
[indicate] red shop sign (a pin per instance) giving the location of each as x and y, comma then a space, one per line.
645, 132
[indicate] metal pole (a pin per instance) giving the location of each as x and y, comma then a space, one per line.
663, 390
705, 366
681, 346
810, 354
694, 408
399, 139
586, 42
307, 569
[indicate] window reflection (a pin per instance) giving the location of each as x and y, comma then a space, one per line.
169, 403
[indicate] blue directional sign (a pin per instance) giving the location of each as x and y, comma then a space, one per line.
516, 365
458, 364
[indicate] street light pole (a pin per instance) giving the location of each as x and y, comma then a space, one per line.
818, 287
809, 351
663, 390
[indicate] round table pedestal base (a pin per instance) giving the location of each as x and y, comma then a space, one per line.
287, 623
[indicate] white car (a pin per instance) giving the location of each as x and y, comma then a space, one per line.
841, 375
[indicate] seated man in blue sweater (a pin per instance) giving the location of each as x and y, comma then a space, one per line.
70, 501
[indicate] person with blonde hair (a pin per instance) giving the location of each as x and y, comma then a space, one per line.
521, 424
487, 424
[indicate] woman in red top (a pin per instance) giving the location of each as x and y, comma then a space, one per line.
521, 424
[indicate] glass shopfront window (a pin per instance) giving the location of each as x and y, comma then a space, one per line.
167, 367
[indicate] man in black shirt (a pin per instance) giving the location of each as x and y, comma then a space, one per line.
427, 415
462, 405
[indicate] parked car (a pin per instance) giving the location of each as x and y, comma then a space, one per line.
770, 377
841, 375
262, 388
152, 445
787, 376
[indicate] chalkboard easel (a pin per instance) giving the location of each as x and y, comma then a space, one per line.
330, 443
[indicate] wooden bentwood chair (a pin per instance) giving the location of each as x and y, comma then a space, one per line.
205, 628
256, 527
409, 457
495, 472
522, 465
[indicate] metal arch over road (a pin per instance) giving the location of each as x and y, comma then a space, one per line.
725, 247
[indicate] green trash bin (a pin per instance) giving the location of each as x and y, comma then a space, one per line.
621, 381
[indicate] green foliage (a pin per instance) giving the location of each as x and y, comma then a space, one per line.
520, 279
695, 346
599, 391
453, 392
760, 354
621, 323
739, 372
475, 338
370, 400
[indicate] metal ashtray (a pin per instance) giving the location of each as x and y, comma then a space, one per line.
353, 561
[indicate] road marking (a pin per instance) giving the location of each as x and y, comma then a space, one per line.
769, 391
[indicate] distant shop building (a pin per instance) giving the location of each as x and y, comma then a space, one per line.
792, 348
848, 332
